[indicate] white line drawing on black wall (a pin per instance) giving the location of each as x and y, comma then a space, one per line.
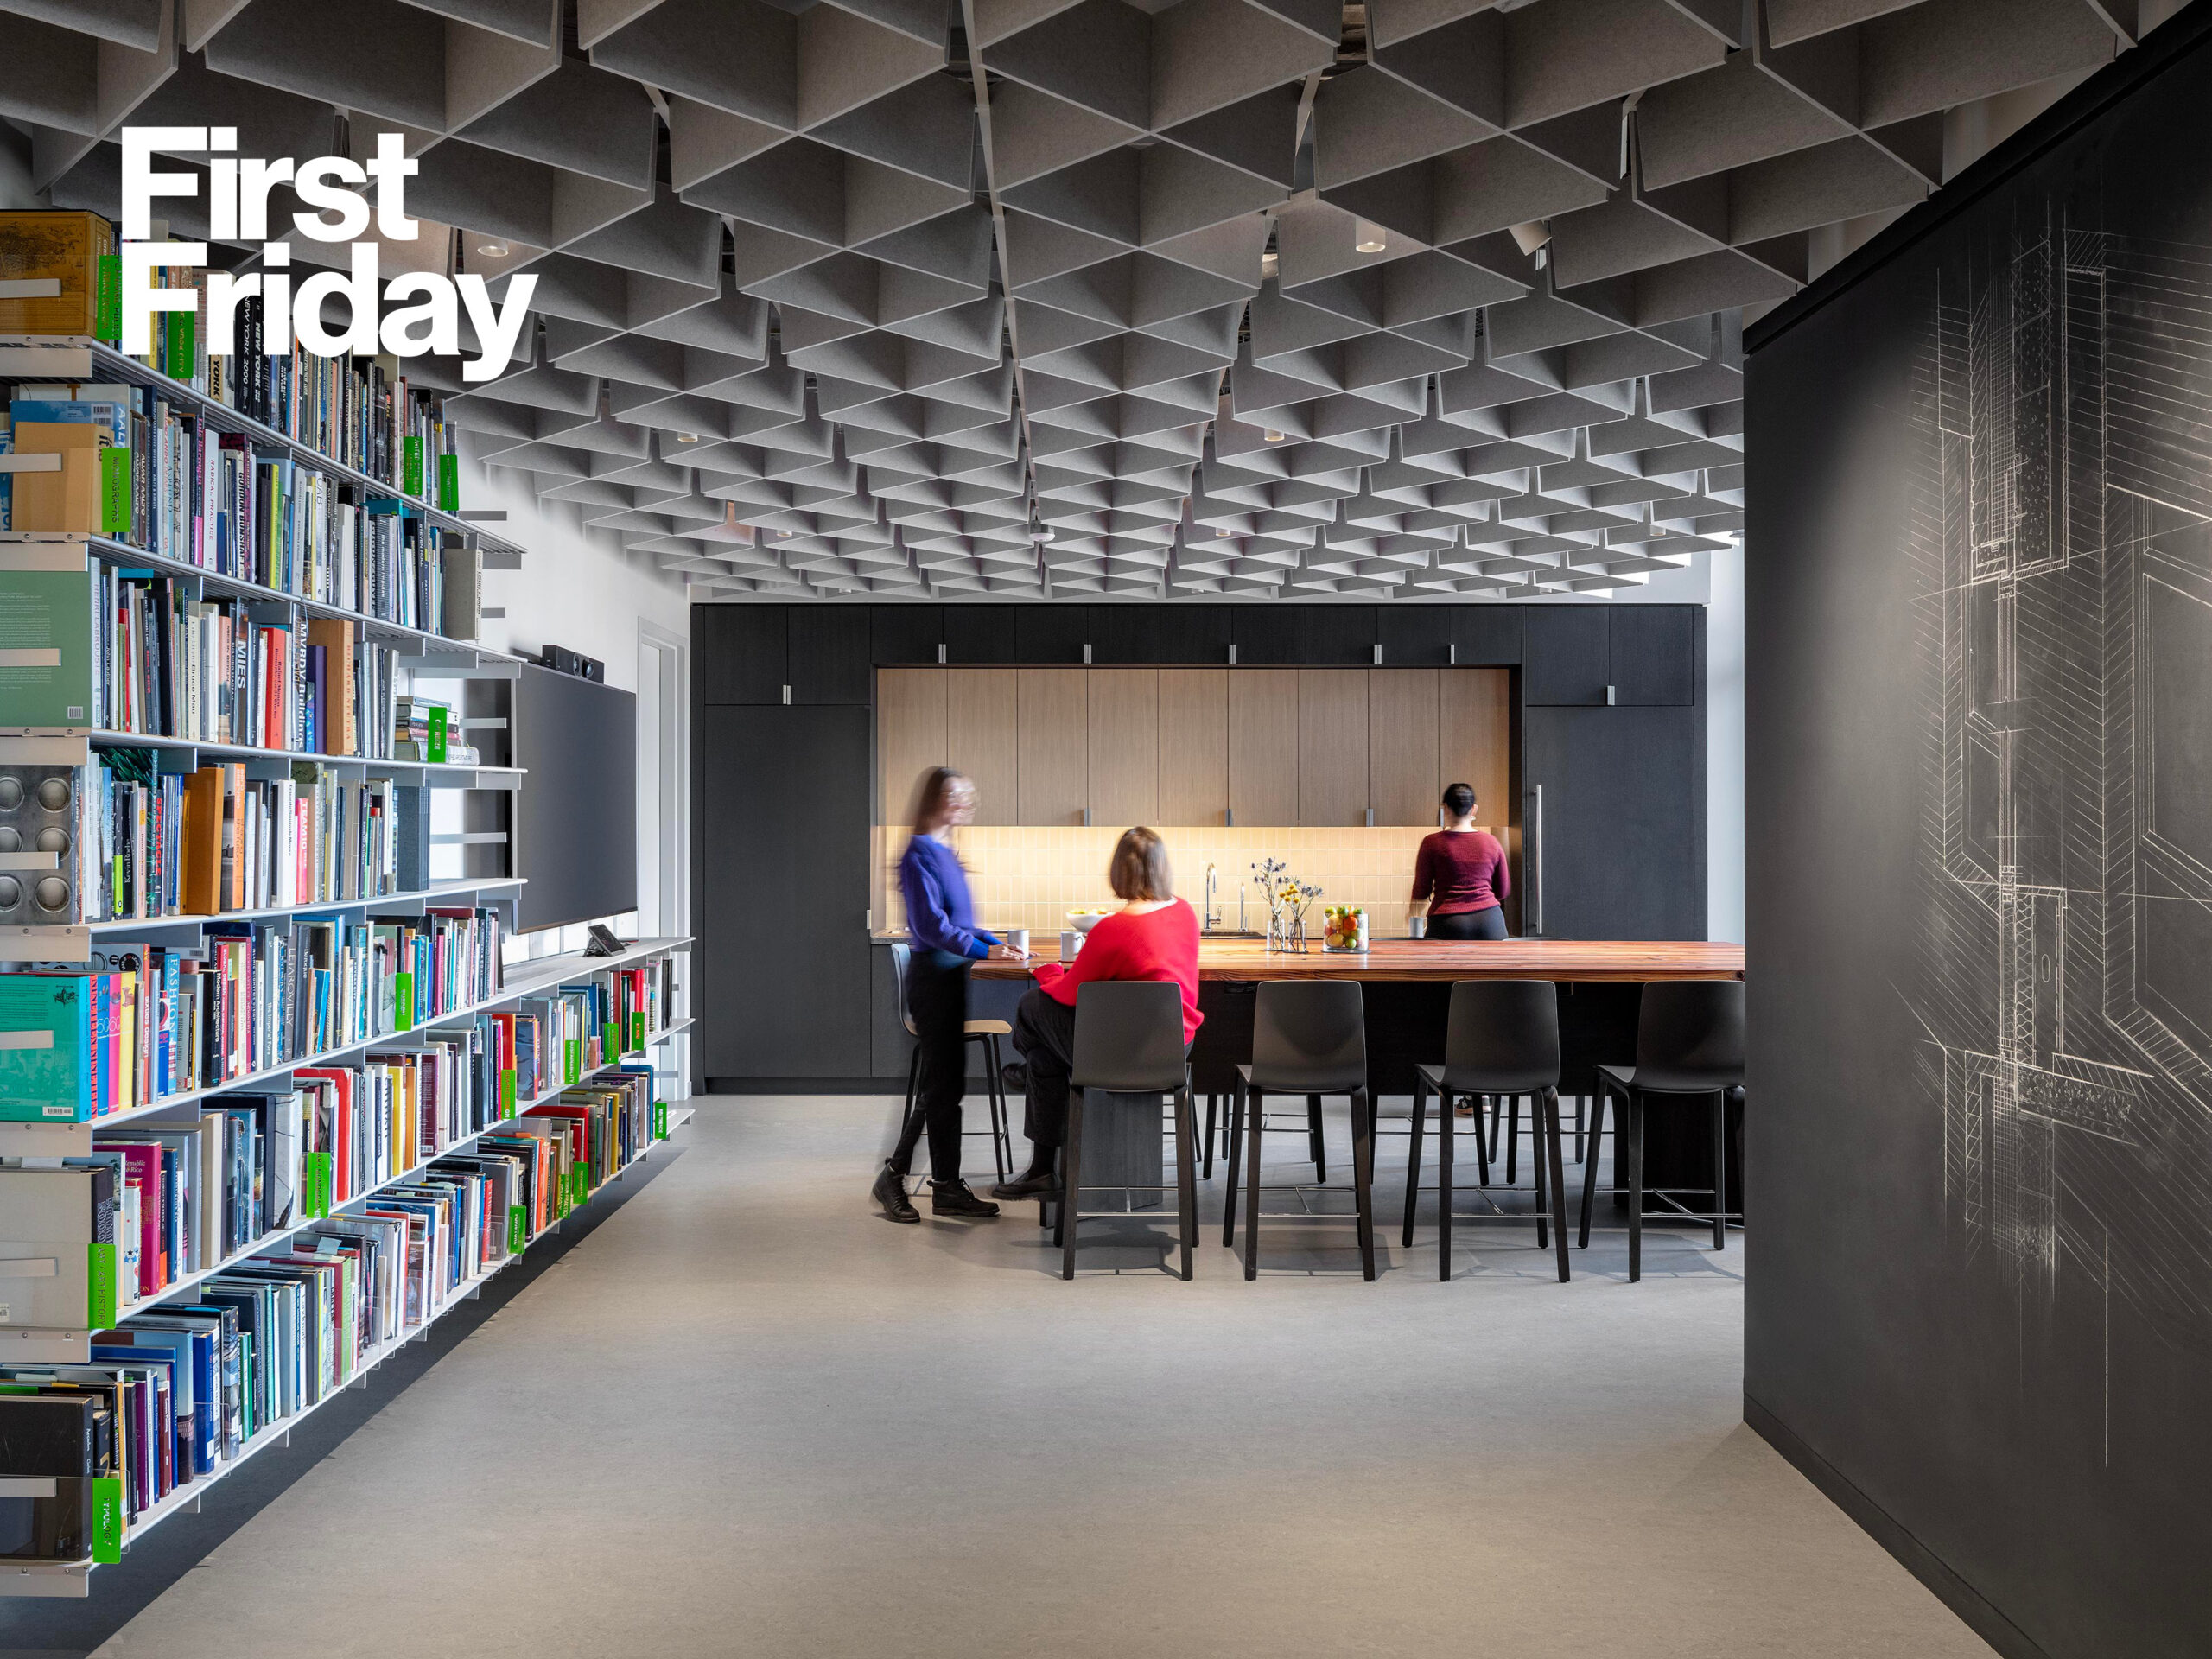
2061, 538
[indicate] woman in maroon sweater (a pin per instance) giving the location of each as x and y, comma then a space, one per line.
1154, 935
1460, 874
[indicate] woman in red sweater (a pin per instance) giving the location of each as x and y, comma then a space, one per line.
1461, 873
1154, 935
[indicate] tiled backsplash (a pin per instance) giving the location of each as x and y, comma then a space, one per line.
1032, 877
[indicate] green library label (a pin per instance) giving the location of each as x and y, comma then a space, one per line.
660, 1120
314, 1197
610, 1043
574, 1058
448, 483
410, 466
506, 1091
115, 490
638, 1029
106, 1518
402, 997
180, 344
437, 746
518, 1229
579, 1180
100, 1297
107, 297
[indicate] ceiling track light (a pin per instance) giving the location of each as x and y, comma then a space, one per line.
1368, 237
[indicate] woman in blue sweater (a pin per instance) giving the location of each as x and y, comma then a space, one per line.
941, 919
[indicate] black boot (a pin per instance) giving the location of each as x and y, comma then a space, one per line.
953, 1198
890, 1191
1037, 1182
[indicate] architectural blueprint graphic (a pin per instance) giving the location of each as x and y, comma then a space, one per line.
2061, 532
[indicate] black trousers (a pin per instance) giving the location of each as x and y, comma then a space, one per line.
1488, 923
1044, 1035
937, 996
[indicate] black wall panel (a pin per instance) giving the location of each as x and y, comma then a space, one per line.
1980, 1135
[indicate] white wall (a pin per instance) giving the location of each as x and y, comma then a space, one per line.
1724, 749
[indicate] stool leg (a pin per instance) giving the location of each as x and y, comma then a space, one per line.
1536, 1169
1186, 1185
1444, 1139
1413, 1156
1238, 1108
1314, 1137
1578, 1128
1001, 1142
1482, 1148
1512, 1138
1634, 1185
1590, 1169
1362, 1177
1211, 1101
1070, 1183
1720, 1170
1255, 1106
1549, 1104
1491, 1104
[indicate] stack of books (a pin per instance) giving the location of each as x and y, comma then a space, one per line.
216, 841
157, 1019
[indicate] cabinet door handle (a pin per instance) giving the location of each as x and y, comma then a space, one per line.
787, 696
1537, 862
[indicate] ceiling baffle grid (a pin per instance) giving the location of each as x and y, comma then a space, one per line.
1085, 296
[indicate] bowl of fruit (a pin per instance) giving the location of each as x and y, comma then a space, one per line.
1083, 920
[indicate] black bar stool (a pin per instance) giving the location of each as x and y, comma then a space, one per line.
1500, 1037
985, 1031
1128, 1040
1309, 1037
1689, 1042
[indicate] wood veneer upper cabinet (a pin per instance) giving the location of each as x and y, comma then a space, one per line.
1332, 745
1263, 747
909, 735
979, 738
1474, 732
1052, 744
1193, 746
1401, 745
1124, 724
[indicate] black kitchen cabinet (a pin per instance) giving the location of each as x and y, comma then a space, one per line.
738, 653
1338, 636
904, 636
1124, 635
1486, 636
826, 654
1195, 634
1564, 651
1268, 635
1049, 633
979, 635
781, 900
1653, 654
1414, 636
1621, 852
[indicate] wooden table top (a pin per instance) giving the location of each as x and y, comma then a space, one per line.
1425, 959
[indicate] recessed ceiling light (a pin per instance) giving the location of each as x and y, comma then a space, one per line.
1223, 533
1271, 435
1270, 265
687, 437
493, 248
1368, 237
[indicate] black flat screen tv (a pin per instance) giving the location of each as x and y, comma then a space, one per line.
576, 821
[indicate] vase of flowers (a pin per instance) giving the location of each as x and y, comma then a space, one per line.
1287, 898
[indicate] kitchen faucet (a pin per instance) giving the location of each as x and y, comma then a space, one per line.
1211, 920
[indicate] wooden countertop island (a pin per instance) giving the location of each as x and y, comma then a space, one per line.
1414, 960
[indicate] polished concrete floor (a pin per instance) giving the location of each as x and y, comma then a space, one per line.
745, 1416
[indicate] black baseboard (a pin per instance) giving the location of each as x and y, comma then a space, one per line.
1980, 1613
806, 1086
